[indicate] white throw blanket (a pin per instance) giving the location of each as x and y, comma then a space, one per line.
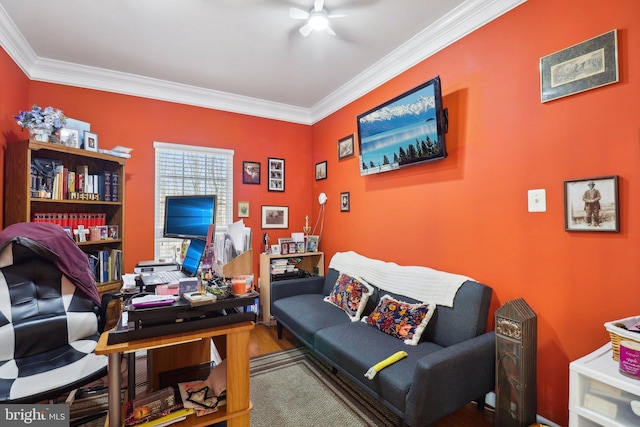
421, 283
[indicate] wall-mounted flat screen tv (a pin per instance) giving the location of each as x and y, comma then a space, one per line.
189, 217
406, 130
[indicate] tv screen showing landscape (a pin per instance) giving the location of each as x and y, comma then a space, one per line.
406, 130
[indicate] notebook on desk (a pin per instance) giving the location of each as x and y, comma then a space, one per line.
189, 267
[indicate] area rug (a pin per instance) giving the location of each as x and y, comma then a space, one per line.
288, 388
296, 388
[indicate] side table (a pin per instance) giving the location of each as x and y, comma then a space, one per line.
238, 407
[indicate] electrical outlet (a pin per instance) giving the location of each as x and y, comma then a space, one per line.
538, 200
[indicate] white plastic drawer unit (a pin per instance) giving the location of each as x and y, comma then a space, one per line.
599, 395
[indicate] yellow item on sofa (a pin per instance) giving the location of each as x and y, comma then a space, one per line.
371, 373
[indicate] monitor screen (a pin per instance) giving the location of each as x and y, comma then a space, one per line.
189, 217
193, 256
406, 130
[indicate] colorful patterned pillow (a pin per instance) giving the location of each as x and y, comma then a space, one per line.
401, 319
351, 295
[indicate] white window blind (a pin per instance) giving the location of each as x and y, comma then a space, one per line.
191, 170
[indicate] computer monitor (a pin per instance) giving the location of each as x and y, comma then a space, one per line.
189, 217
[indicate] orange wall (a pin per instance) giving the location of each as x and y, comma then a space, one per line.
136, 122
13, 98
468, 214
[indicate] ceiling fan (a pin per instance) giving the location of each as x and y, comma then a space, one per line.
317, 18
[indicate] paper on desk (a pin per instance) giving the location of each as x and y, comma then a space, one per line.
237, 232
129, 281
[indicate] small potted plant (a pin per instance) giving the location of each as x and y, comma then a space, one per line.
41, 122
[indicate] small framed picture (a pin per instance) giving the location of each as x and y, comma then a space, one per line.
68, 230
90, 141
243, 209
104, 232
345, 147
70, 137
293, 247
591, 204
113, 232
300, 248
275, 249
251, 172
284, 248
275, 217
276, 174
345, 202
312, 243
321, 170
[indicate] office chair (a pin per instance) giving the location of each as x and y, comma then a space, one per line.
48, 319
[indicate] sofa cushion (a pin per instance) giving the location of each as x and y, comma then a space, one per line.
329, 281
401, 319
350, 295
355, 347
305, 314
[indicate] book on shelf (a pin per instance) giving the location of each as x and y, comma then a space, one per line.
154, 409
51, 179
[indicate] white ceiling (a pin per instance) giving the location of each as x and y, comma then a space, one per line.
244, 56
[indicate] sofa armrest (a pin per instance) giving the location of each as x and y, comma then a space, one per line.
287, 288
450, 378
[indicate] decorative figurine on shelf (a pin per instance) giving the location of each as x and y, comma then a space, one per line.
265, 240
307, 227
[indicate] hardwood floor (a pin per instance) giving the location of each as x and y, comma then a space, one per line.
264, 340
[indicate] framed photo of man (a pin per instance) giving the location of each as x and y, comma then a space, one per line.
591, 204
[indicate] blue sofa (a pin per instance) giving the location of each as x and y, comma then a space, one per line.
452, 365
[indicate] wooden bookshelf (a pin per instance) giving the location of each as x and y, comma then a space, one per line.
20, 206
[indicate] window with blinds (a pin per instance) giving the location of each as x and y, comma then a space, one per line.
189, 170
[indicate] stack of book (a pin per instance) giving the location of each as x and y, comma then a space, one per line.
156, 409
284, 268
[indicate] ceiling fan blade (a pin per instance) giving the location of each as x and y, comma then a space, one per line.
296, 13
330, 31
338, 15
305, 30
318, 5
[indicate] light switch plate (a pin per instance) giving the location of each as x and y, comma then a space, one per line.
538, 200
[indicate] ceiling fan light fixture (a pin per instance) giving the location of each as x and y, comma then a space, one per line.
319, 21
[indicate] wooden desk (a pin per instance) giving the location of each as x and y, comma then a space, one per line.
238, 407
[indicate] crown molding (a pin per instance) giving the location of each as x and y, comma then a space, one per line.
469, 16
461, 21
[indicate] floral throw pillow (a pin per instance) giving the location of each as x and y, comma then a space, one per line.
351, 295
401, 319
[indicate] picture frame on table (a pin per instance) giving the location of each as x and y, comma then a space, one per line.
312, 243
90, 141
70, 137
321, 170
275, 249
113, 232
276, 174
251, 172
346, 147
275, 216
581, 67
591, 204
345, 201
